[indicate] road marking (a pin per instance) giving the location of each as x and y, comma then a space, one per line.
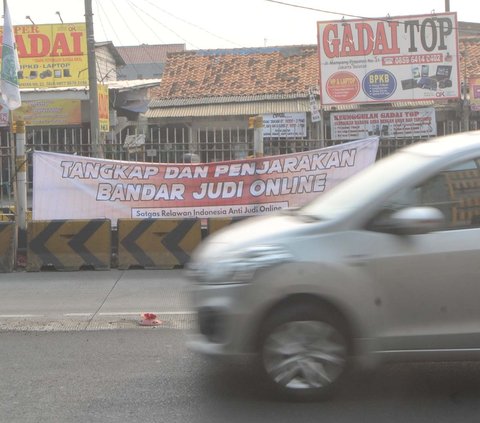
20, 315
127, 313
138, 313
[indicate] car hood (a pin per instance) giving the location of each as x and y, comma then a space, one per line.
272, 229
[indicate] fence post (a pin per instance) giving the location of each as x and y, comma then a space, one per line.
21, 178
258, 136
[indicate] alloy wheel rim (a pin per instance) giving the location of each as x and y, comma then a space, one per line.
305, 354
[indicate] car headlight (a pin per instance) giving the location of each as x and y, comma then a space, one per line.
238, 266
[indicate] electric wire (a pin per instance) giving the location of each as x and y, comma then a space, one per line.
193, 25
142, 45
386, 19
100, 18
113, 30
167, 28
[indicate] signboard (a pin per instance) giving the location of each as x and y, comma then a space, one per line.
387, 60
50, 112
475, 94
384, 123
315, 112
103, 108
52, 55
74, 187
285, 125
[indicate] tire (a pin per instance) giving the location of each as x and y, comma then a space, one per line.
303, 352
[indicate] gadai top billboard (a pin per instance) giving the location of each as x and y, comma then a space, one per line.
389, 59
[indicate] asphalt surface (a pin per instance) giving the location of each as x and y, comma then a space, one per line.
148, 375
72, 350
92, 300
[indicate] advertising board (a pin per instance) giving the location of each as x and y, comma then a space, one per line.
390, 59
396, 123
52, 55
285, 125
54, 112
103, 108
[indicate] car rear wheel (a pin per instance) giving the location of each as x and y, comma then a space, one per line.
303, 352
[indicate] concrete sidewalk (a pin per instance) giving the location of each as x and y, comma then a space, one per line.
92, 299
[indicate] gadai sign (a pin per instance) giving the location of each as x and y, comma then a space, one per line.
390, 59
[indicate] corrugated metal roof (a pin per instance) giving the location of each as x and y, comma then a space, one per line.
132, 83
146, 53
231, 109
181, 102
177, 108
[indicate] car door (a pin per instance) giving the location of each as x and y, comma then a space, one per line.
428, 285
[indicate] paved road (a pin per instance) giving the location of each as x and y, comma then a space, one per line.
60, 364
147, 375
91, 299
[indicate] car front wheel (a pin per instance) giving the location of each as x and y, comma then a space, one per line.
303, 351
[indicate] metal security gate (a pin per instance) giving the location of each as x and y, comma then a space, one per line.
168, 144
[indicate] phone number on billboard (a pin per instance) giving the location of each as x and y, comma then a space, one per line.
413, 59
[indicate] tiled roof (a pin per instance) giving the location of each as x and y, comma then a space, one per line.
146, 53
470, 54
257, 72
239, 72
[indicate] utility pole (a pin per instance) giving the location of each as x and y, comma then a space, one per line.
92, 83
465, 102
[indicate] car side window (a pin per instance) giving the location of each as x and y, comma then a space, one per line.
454, 191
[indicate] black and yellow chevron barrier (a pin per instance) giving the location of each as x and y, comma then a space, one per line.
69, 244
214, 225
156, 243
7, 247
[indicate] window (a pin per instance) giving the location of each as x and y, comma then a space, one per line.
454, 191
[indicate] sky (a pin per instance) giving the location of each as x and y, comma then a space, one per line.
211, 24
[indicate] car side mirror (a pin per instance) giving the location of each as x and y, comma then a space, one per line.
411, 221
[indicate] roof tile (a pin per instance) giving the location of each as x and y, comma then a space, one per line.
279, 70
470, 55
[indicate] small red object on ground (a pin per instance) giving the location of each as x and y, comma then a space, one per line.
149, 319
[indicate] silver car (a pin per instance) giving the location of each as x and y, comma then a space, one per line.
386, 266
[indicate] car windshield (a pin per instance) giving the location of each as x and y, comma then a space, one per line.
364, 187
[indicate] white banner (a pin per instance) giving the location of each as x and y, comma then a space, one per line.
285, 125
384, 123
72, 187
390, 59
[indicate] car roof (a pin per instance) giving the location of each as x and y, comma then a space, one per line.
448, 145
